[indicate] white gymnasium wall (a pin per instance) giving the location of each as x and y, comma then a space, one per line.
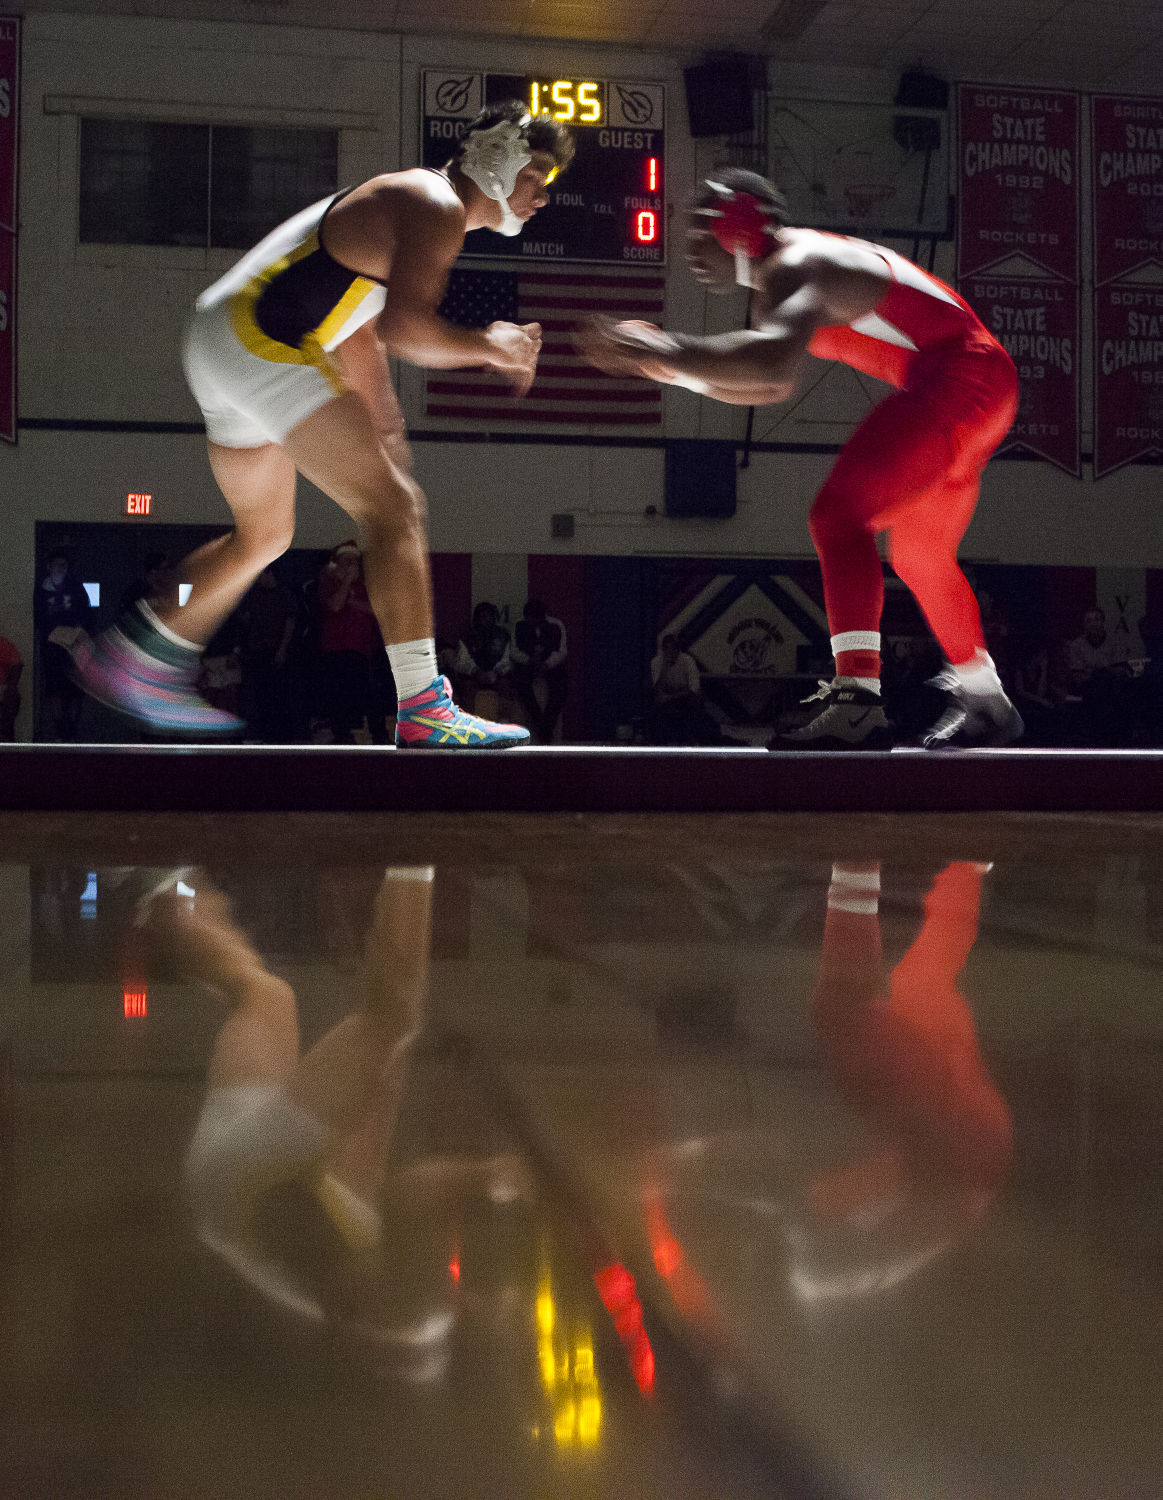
99, 327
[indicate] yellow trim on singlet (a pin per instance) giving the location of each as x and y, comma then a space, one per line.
344, 308
311, 350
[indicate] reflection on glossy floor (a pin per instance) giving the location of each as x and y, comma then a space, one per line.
512, 1156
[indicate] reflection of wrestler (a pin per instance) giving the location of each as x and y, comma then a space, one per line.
287, 1162
852, 1202
906, 1056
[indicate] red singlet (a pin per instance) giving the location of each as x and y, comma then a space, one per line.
917, 315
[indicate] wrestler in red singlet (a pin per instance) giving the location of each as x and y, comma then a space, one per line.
913, 466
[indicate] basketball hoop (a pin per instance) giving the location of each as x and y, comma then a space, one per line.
863, 197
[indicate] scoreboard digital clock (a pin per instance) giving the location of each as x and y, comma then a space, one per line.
607, 207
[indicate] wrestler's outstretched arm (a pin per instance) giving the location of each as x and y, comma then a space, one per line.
754, 366
428, 234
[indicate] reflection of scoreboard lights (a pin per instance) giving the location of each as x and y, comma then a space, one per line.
608, 206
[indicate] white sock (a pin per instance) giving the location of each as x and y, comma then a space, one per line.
978, 675
413, 666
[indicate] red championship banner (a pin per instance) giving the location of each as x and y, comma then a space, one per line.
1037, 322
9, 160
1017, 188
1128, 374
1128, 187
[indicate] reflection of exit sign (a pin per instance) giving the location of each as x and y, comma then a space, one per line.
138, 505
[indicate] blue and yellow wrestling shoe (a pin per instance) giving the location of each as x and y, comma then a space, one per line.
431, 721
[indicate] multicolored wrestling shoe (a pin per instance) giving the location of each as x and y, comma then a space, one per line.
133, 668
431, 721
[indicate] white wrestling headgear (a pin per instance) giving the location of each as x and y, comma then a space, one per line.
492, 158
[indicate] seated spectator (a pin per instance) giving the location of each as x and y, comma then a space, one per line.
349, 641
678, 715
1094, 651
482, 653
11, 668
1093, 683
540, 675
61, 612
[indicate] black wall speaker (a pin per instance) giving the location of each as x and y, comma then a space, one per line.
700, 477
719, 96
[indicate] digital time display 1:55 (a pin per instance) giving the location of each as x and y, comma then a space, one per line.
570, 100
608, 207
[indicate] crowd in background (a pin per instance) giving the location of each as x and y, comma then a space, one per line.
1096, 688
302, 661
518, 677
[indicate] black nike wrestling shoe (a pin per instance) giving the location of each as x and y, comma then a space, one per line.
852, 719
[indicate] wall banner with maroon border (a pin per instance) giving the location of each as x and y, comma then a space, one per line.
1017, 190
1038, 323
9, 162
1128, 374
1128, 187
1127, 169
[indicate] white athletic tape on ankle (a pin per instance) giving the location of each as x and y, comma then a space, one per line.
858, 880
856, 640
423, 873
413, 666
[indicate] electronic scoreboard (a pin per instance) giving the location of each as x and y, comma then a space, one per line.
607, 207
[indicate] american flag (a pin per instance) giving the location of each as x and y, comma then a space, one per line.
567, 391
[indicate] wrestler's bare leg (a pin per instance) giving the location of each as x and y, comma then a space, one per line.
259, 487
366, 469
339, 449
